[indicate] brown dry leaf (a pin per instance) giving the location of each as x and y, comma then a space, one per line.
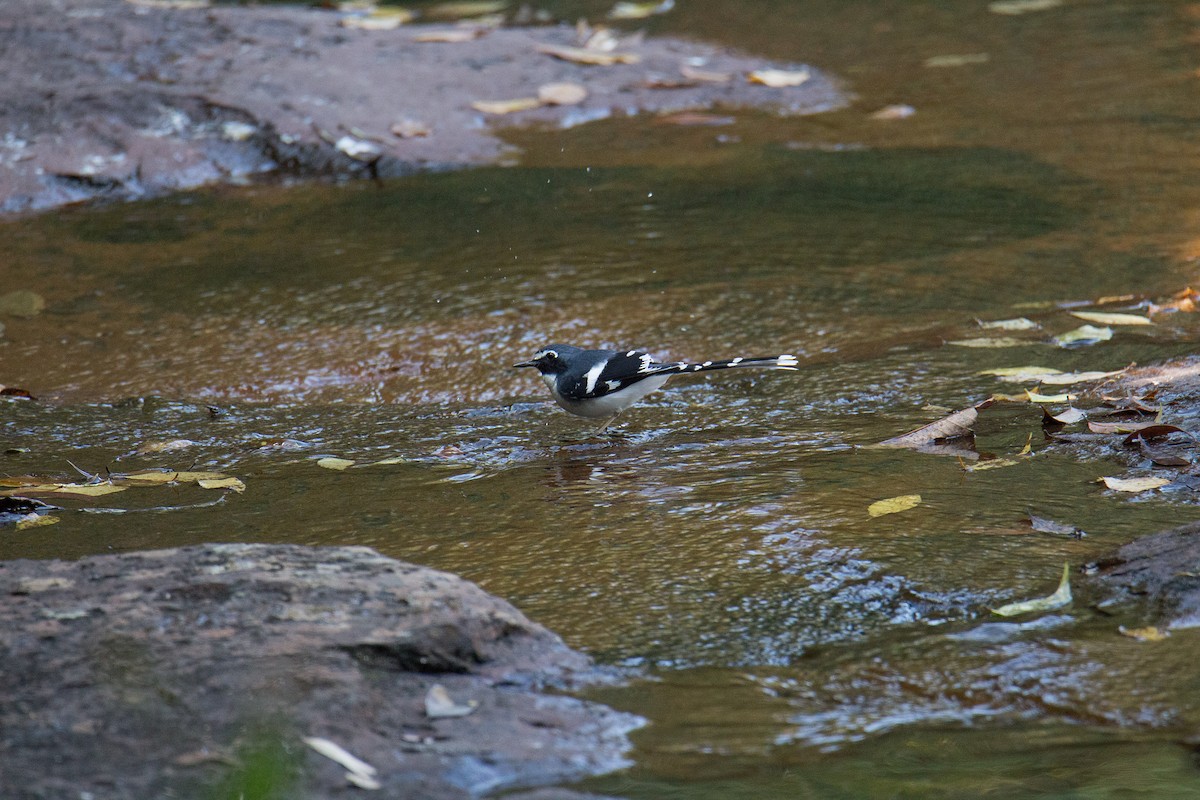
452, 35
894, 505
779, 78
410, 129
506, 106
1070, 416
1184, 301
15, 392
562, 93
1152, 432
1160, 457
1124, 426
704, 75
582, 55
894, 112
1133, 485
957, 424
1147, 634
1104, 318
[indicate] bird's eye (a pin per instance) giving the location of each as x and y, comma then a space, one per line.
550, 355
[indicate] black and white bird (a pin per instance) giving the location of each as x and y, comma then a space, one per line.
600, 384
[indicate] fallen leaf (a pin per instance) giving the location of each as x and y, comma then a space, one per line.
16, 393
36, 521
996, 463
1003, 341
1014, 7
695, 119
410, 129
380, 19
1122, 427
1083, 335
1017, 324
1133, 485
86, 489
957, 424
1103, 318
506, 106
1021, 374
894, 112
1070, 416
894, 505
935, 62
1043, 525
1154, 431
582, 55
165, 446
388, 461
1147, 634
1060, 598
460, 9
358, 772
779, 78
358, 149
335, 463
1184, 301
439, 705
222, 483
1068, 378
704, 75
562, 93
626, 10
1035, 397
196, 477
1160, 457
452, 35
22, 303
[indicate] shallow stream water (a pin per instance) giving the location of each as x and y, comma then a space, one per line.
718, 543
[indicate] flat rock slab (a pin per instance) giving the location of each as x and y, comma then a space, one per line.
111, 98
188, 672
1159, 573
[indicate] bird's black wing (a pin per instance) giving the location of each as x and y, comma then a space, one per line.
610, 372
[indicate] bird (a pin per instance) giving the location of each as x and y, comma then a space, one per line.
600, 384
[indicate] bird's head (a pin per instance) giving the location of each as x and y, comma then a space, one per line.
549, 360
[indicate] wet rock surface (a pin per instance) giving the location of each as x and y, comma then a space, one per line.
170, 673
104, 98
1159, 573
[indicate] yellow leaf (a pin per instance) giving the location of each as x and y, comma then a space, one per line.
1060, 598
626, 10
563, 93
935, 62
222, 483
88, 489
894, 505
1133, 484
379, 20
459, 9
36, 521
147, 478
388, 461
196, 477
22, 303
581, 55
506, 106
1103, 318
1034, 397
1068, 378
1021, 374
779, 78
1147, 634
452, 35
1014, 7
894, 112
335, 463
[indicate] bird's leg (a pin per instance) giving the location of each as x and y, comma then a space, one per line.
607, 422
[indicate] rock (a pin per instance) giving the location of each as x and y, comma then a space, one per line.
1160, 573
190, 672
106, 98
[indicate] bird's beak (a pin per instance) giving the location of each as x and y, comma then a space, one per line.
525, 364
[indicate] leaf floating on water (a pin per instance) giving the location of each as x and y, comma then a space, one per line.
1103, 318
380, 19
957, 424
358, 149
1133, 485
1021, 374
22, 303
562, 93
1017, 324
1070, 416
438, 704
894, 112
1184, 301
1035, 397
452, 35
1160, 457
696, 119
462, 9
1003, 341
779, 78
335, 463
583, 55
1068, 378
996, 463
222, 483
506, 106
1083, 335
626, 10
1014, 7
1060, 598
894, 505
1147, 634
936, 62
36, 521
1129, 427
704, 75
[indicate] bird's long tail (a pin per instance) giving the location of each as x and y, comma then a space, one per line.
768, 362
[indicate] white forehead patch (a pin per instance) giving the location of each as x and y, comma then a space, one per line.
540, 354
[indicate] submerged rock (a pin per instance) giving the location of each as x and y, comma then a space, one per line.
1160, 573
198, 671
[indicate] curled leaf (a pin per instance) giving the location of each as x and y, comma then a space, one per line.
957, 424
1083, 335
1133, 485
506, 106
582, 55
1060, 598
1070, 416
1104, 318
